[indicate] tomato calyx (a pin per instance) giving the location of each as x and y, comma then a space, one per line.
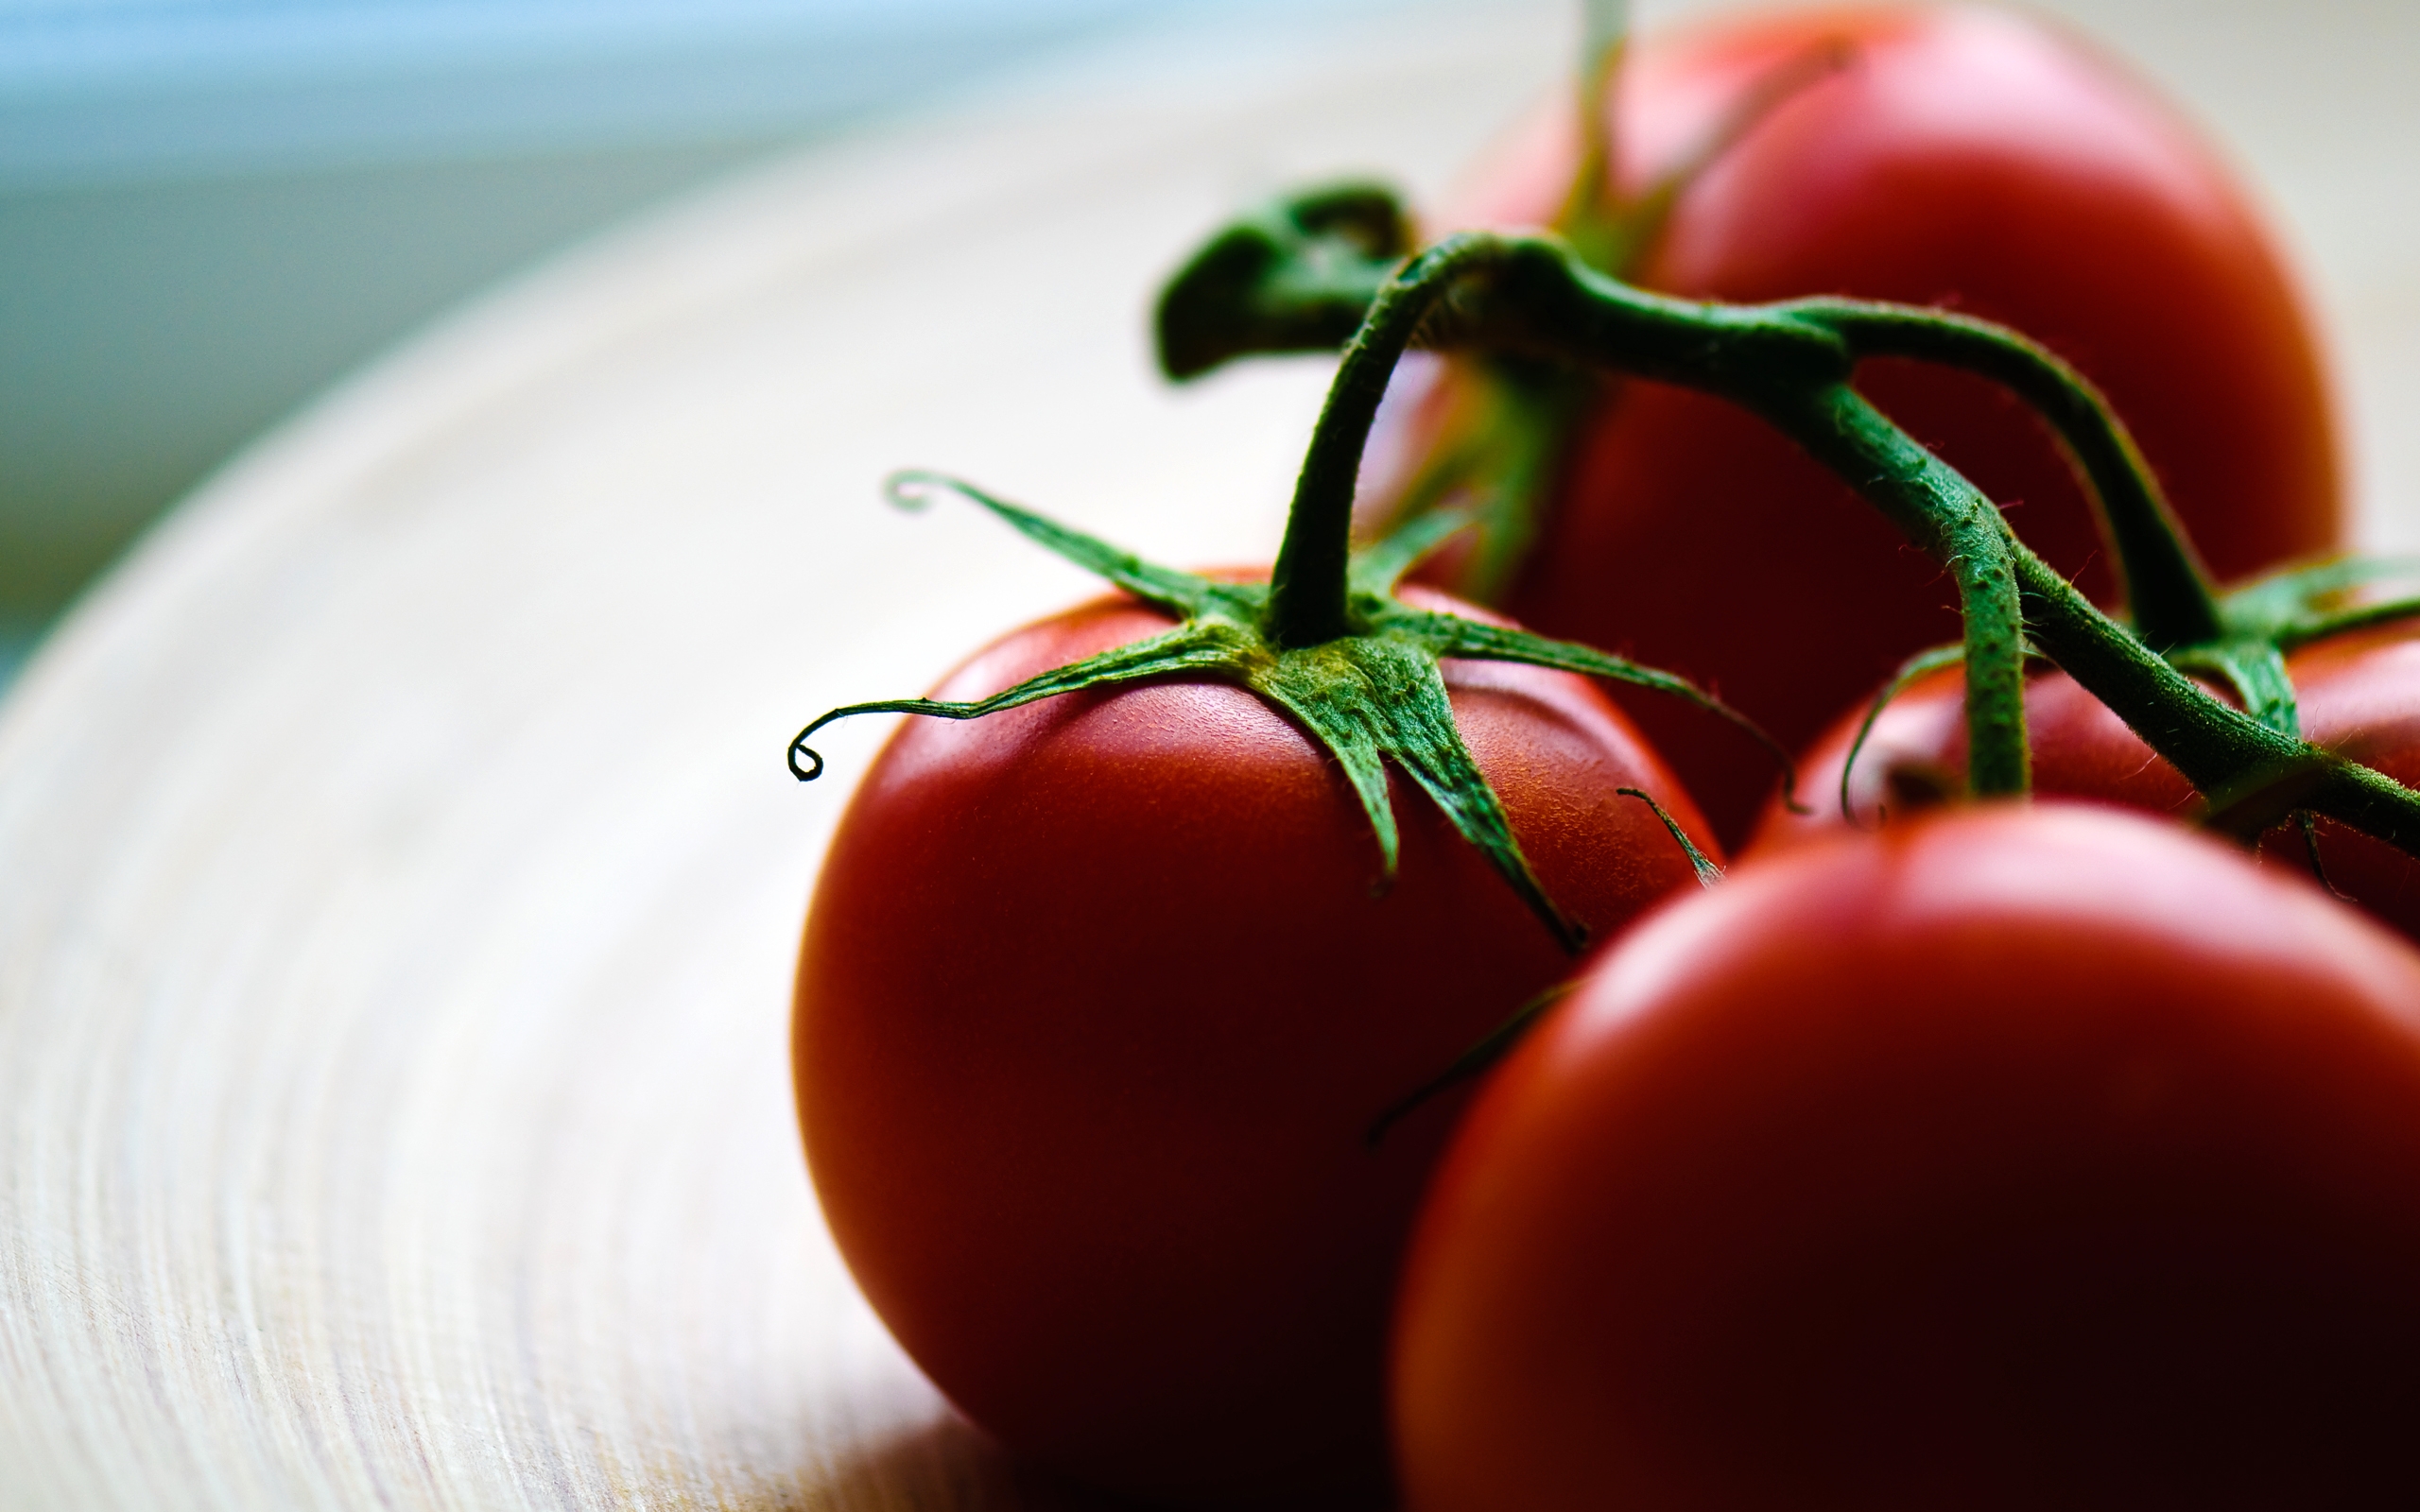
1370, 696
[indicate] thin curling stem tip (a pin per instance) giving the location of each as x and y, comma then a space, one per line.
799, 749
912, 487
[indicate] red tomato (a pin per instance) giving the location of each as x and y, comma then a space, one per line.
2014, 1159
2358, 696
1096, 1004
1962, 157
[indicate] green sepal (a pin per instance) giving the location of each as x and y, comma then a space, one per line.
2307, 824
1365, 697
2255, 670
1924, 662
1184, 594
1368, 697
1500, 445
2303, 603
1708, 873
1451, 635
1200, 648
1377, 569
2362, 617
2265, 619
1471, 1062
1591, 217
2294, 607
1499, 1041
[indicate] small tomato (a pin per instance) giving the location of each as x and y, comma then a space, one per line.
2013, 1158
1096, 1005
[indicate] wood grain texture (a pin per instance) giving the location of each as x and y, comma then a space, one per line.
401, 877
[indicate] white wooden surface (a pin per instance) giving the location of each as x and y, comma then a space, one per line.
398, 877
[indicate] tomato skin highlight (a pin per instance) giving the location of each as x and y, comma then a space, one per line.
1095, 1006
2013, 1158
1966, 158
2358, 696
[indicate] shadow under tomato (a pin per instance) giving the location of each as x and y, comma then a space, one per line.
946, 1466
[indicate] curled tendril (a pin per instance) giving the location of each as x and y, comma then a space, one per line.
799, 749
912, 488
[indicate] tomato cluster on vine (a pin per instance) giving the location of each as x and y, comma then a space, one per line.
1290, 1039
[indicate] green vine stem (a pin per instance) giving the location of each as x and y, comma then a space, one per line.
1530, 293
2168, 592
1307, 593
1791, 363
1296, 276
